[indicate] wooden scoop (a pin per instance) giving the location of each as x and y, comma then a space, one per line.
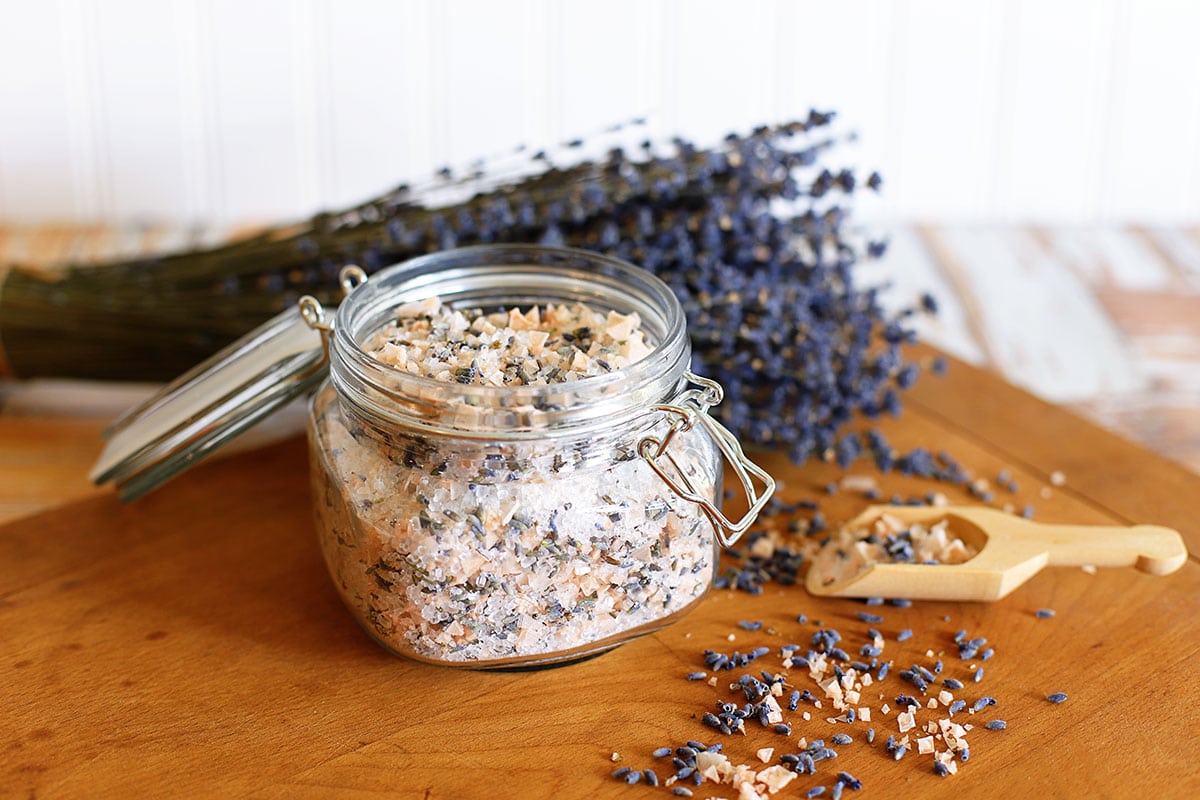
1010, 551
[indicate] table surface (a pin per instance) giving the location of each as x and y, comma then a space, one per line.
191, 643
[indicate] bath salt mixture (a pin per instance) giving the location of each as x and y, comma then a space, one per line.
556, 344
466, 550
888, 540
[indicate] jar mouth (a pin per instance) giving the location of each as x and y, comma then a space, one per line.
494, 276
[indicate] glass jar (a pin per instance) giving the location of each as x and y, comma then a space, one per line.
505, 526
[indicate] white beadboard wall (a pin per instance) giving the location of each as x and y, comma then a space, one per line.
1077, 111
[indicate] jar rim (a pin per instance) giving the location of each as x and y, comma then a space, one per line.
494, 273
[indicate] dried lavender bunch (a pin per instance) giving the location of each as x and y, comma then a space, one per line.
753, 236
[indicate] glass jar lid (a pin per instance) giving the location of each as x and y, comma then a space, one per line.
215, 401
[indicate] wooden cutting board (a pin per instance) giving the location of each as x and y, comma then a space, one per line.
191, 645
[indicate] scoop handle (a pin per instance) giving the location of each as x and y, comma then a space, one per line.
1150, 548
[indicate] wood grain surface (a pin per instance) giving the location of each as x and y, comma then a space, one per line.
45, 461
191, 644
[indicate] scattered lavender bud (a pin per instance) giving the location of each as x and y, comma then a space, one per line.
848, 780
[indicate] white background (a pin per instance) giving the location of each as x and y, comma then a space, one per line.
1076, 111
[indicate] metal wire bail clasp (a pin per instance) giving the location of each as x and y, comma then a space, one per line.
313, 312
691, 406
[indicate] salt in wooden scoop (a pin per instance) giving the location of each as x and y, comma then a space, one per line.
1011, 550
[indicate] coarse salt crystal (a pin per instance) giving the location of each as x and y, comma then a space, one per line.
776, 777
746, 791
906, 721
764, 754
762, 548
858, 483
925, 744
713, 765
537, 340
419, 308
620, 326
